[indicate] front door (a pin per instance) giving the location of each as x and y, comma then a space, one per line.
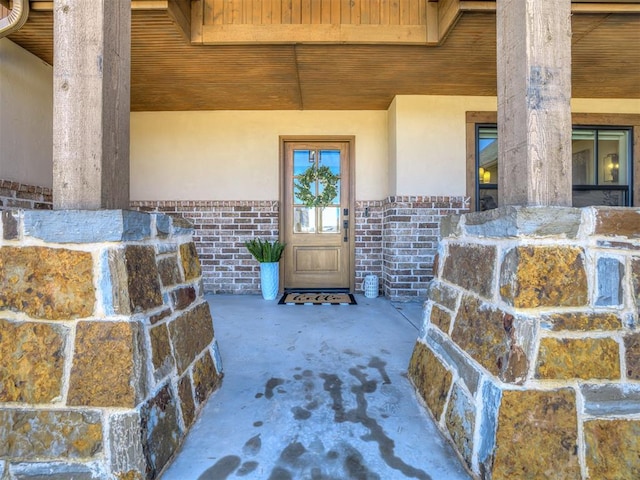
316, 215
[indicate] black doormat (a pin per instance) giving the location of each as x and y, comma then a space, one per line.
317, 298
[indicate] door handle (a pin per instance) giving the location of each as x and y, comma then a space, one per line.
345, 225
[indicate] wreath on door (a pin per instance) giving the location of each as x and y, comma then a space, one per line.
327, 182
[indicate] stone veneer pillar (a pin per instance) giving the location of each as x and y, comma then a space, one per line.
107, 347
529, 359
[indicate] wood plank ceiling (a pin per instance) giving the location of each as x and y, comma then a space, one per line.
168, 72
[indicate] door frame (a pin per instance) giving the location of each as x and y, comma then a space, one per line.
351, 141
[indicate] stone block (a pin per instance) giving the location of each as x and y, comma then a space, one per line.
584, 358
107, 369
443, 295
86, 226
169, 271
191, 333
190, 261
180, 226
161, 432
50, 434
494, 348
440, 318
114, 283
617, 222
635, 280
544, 276
187, 405
143, 280
205, 377
447, 350
609, 286
31, 361
161, 356
57, 471
612, 449
125, 444
537, 435
158, 317
581, 321
491, 399
182, 297
9, 226
47, 283
471, 267
632, 355
431, 378
611, 399
460, 421
517, 221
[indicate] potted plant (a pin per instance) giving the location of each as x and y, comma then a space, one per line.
268, 254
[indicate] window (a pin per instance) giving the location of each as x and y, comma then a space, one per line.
602, 162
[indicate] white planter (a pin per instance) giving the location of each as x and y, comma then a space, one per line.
269, 280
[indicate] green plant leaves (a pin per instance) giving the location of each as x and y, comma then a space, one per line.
264, 250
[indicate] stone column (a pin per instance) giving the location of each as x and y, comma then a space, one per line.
91, 82
534, 93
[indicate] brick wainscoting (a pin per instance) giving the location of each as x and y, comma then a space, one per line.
395, 239
221, 228
411, 231
19, 195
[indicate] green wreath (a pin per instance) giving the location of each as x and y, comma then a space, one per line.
325, 177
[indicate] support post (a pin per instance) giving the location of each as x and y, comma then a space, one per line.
91, 81
534, 95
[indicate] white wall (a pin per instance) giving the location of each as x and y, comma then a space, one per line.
26, 116
234, 155
431, 143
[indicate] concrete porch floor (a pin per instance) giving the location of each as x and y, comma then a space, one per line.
314, 392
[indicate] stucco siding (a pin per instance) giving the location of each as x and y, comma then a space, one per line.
26, 117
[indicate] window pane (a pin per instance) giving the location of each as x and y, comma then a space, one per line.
304, 220
331, 159
583, 155
613, 156
488, 160
302, 160
488, 198
330, 220
336, 198
611, 198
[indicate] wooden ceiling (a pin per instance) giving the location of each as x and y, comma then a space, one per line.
168, 72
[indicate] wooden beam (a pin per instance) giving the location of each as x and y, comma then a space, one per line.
91, 92
314, 33
534, 102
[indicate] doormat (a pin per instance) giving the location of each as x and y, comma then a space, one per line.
314, 298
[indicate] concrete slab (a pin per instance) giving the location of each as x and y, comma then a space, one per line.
314, 392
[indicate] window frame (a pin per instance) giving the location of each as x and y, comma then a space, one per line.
595, 120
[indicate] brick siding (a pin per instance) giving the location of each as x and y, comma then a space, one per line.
220, 230
411, 232
20, 195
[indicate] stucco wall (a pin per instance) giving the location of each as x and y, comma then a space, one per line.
232, 155
430, 143
26, 118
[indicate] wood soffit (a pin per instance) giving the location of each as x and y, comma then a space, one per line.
175, 64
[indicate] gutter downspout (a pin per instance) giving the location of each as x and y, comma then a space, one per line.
16, 19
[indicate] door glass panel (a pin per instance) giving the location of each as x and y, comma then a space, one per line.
302, 159
331, 159
336, 199
330, 219
488, 198
296, 192
304, 219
